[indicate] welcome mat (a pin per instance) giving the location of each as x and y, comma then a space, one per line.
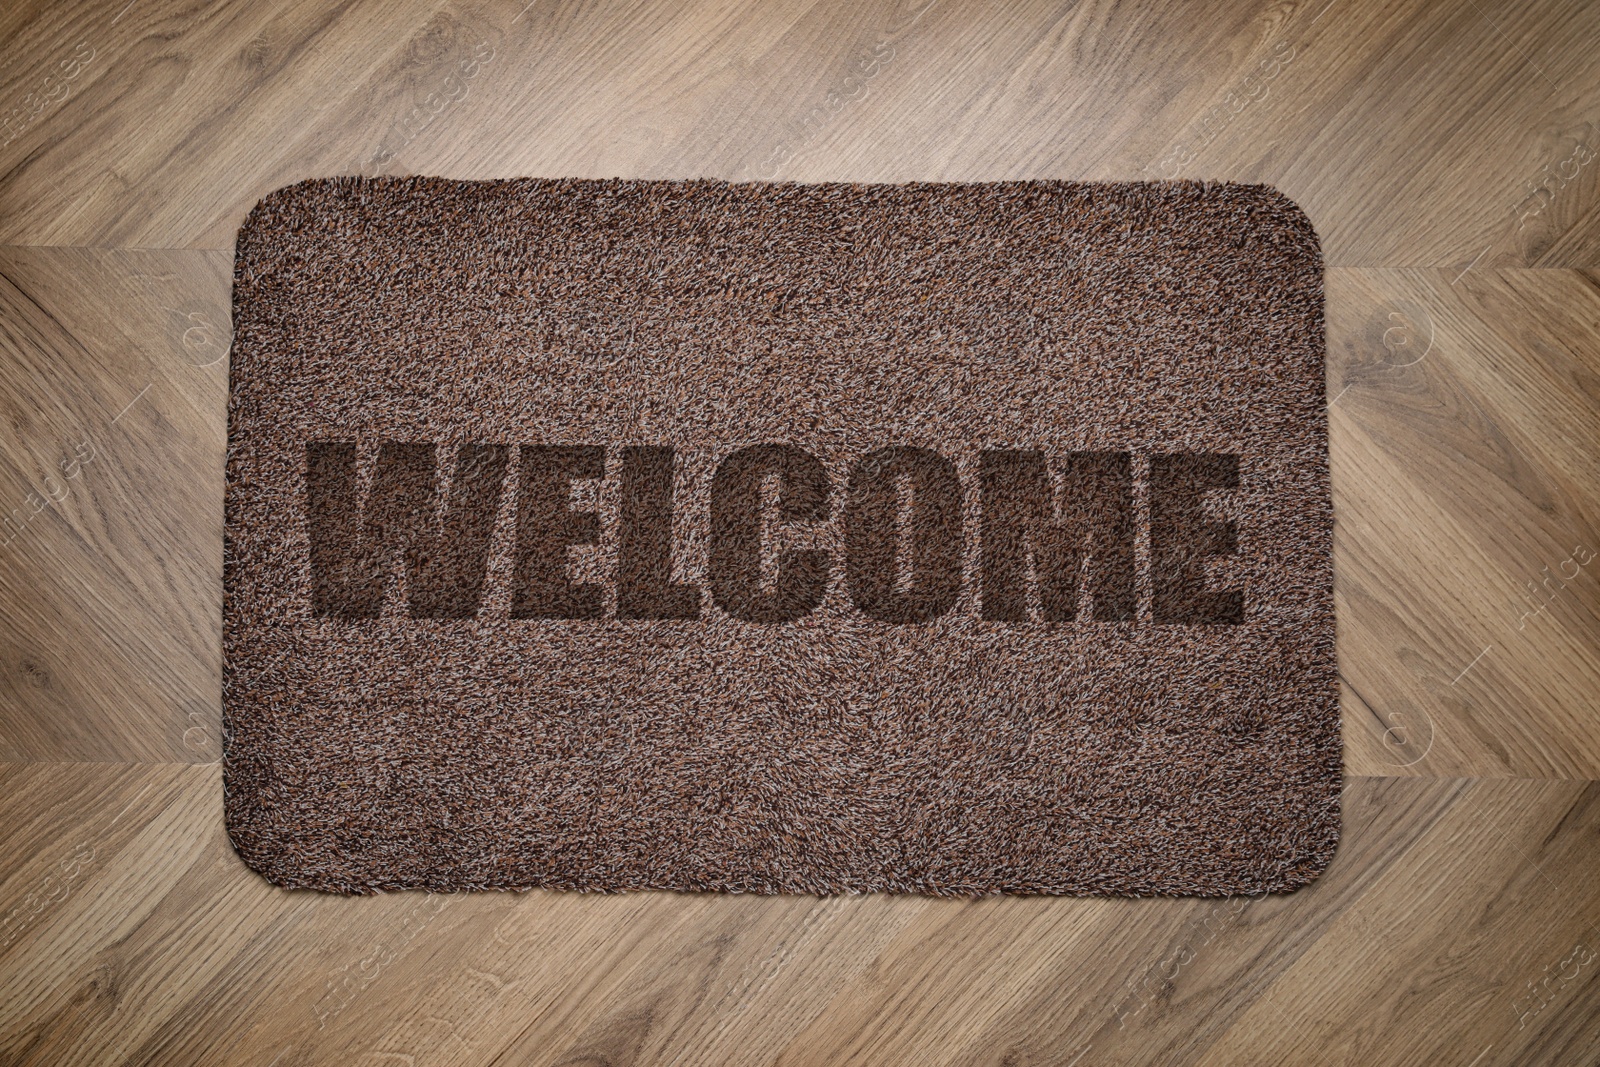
945, 538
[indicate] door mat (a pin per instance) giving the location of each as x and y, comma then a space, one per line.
942, 538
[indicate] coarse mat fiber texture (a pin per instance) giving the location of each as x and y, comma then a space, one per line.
780, 538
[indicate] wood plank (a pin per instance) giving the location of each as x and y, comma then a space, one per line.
232, 101
1463, 432
1447, 899
111, 473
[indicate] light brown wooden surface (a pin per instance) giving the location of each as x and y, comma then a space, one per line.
1447, 152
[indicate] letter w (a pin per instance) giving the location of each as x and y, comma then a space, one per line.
446, 557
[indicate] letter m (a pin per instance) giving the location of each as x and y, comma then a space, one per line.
353, 543
1086, 532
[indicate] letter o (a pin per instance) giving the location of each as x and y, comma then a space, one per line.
872, 535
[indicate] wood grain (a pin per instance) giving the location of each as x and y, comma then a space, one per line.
1449, 155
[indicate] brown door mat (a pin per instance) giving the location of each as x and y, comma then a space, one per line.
939, 538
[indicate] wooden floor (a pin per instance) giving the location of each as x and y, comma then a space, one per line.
1447, 152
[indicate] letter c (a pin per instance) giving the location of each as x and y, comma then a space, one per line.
733, 569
